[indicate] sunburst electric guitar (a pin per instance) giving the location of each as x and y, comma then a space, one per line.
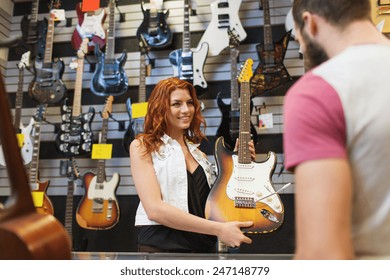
243, 190
99, 207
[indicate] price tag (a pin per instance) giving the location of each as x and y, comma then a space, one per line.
59, 14
90, 5
139, 110
20, 138
266, 121
101, 151
37, 198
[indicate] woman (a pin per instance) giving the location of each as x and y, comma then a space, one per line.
173, 177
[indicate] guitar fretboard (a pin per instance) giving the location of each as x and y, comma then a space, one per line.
268, 41
186, 31
19, 99
142, 79
244, 155
76, 110
110, 46
233, 83
101, 164
34, 12
49, 41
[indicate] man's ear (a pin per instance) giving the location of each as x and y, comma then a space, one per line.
310, 23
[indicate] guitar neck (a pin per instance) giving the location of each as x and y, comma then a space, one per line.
34, 165
244, 155
233, 80
101, 164
268, 41
34, 12
110, 46
49, 41
142, 79
186, 31
19, 99
69, 208
76, 110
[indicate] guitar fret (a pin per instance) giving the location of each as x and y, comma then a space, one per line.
233, 83
142, 80
244, 155
19, 100
186, 31
110, 46
49, 40
267, 23
34, 11
76, 110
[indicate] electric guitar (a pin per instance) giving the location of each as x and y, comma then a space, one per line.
24, 132
187, 64
154, 27
270, 72
75, 136
230, 124
109, 78
90, 25
136, 125
47, 86
99, 208
243, 190
224, 15
43, 204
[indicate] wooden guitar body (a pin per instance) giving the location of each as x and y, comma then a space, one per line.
47, 206
99, 207
109, 77
238, 191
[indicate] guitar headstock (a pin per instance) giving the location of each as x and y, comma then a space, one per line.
25, 60
73, 170
40, 114
107, 107
246, 71
83, 48
234, 40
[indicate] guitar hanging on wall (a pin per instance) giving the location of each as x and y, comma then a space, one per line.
23, 132
75, 136
99, 208
43, 204
47, 86
109, 78
154, 27
270, 72
243, 190
136, 125
187, 64
90, 25
224, 15
230, 124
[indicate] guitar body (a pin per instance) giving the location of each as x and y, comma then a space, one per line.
230, 124
270, 72
47, 86
136, 126
237, 192
109, 77
99, 207
90, 26
27, 147
75, 136
224, 15
189, 66
155, 29
47, 205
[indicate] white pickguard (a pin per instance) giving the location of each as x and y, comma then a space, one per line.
107, 191
253, 181
198, 61
92, 26
27, 149
216, 33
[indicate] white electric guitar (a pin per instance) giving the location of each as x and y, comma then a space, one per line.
224, 16
24, 132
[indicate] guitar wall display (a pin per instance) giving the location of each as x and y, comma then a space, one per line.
224, 16
109, 78
230, 124
75, 136
154, 27
99, 208
187, 64
47, 86
24, 132
43, 203
136, 125
243, 190
270, 72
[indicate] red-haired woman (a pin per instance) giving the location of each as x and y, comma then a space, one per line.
173, 177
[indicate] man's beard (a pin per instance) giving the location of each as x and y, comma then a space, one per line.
314, 54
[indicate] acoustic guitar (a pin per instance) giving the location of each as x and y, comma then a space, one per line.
243, 190
24, 233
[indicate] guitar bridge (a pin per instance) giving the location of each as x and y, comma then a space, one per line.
244, 202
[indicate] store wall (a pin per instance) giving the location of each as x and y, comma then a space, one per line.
217, 73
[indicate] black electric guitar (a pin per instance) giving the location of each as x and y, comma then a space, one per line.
136, 125
99, 208
109, 78
270, 72
230, 124
154, 27
187, 64
47, 86
243, 190
26, 147
75, 136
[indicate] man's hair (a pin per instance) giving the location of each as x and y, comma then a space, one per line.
337, 12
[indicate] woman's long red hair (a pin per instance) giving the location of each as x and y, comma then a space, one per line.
156, 124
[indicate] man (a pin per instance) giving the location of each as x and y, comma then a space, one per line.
337, 133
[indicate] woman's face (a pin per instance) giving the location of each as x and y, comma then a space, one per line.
181, 110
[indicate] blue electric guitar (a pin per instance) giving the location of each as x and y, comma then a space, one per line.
109, 78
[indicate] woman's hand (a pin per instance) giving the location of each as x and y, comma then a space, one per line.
231, 234
251, 149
